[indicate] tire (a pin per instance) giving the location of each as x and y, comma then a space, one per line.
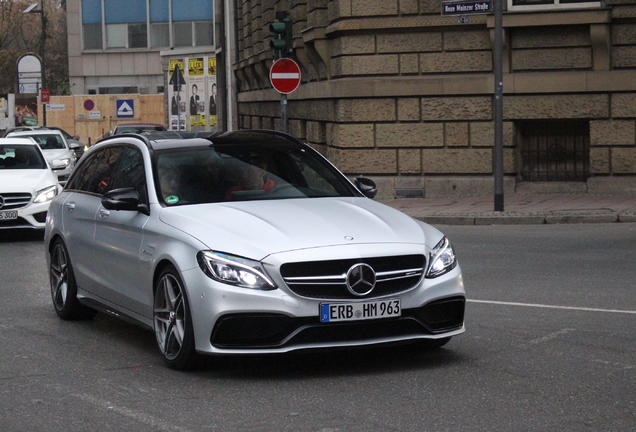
63, 286
174, 332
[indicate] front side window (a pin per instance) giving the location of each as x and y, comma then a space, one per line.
95, 174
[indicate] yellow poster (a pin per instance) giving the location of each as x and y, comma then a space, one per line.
211, 65
175, 62
195, 66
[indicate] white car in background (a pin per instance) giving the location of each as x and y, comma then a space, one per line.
27, 184
55, 148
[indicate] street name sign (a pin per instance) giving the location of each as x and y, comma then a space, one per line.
466, 8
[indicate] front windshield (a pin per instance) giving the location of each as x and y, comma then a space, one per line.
245, 172
52, 141
14, 157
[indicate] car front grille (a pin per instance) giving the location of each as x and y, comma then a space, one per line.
14, 200
327, 279
266, 330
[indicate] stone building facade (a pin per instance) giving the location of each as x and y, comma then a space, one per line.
398, 92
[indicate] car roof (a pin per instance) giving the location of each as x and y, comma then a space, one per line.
157, 141
153, 125
17, 141
36, 132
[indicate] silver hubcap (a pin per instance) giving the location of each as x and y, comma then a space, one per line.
169, 316
59, 276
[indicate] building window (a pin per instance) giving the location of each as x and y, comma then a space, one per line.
159, 35
118, 90
137, 35
182, 34
534, 5
126, 24
116, 35
92, 36
192, 22
92, 24
203, 33
159, 23
555, 150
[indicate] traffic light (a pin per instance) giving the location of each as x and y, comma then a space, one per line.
282, 41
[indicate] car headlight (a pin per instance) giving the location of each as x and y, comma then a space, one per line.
46, 194
442, 259
234, 270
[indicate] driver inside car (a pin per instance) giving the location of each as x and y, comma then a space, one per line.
252, 177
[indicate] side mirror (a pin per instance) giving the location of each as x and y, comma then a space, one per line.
366, 186
57, 164
124, 199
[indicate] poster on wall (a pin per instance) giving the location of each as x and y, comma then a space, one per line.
4, 106
26, 110
177, 97
212, 88
196, 87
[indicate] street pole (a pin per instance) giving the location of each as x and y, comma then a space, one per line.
498, 108
42, 51
283, 111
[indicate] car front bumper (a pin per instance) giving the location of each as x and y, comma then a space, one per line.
232, 320
32, 216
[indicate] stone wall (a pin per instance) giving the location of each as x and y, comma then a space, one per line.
395, 91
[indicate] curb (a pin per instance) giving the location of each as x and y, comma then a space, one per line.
539, 218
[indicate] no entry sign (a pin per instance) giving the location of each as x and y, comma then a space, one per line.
285, 75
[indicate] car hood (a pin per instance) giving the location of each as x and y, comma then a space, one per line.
259, 228
56, 154
25, 180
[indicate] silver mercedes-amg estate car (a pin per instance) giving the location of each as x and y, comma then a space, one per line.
241, 243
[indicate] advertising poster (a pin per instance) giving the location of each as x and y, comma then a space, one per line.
212, 89
177, 98
4, 106
196, 87
26, 110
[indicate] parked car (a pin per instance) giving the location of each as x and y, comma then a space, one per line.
73, 141
27, 184
134, 128
245, 242
55, 148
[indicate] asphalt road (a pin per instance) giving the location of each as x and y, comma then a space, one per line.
550, 346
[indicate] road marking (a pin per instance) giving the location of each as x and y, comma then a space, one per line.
551, 336
553, 307
155, 423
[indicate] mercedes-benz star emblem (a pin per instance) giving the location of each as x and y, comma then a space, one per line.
1, 201
360, 279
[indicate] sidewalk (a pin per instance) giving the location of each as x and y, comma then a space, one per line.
520, 209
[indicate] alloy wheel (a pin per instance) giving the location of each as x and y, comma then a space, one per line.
169, 316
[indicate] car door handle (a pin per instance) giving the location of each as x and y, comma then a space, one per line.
103, 213
70, 206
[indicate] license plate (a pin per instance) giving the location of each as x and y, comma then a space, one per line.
6, 215
335, 312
